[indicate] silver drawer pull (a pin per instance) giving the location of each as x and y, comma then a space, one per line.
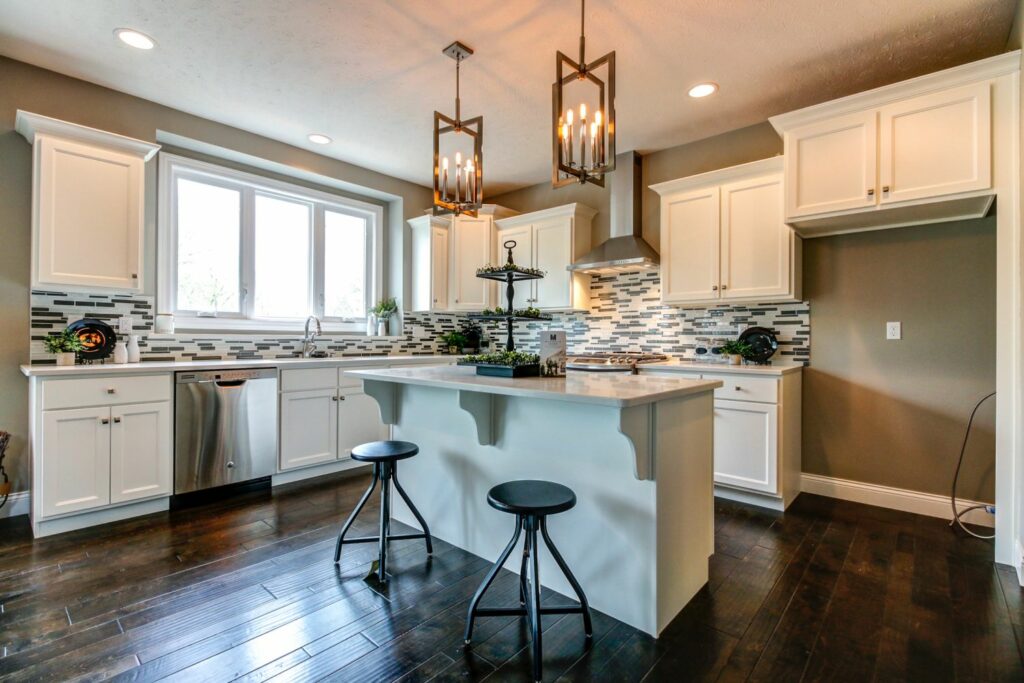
104, 421
111, 390
117, 420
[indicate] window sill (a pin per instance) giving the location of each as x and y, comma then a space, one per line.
283, 327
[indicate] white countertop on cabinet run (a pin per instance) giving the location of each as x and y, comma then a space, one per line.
148, 367
600, 388
683, 366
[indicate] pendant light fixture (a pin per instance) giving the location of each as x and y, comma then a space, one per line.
458, 183
583, 148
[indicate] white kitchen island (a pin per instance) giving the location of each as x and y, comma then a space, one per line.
636, 449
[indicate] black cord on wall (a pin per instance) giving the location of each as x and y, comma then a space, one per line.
957, 514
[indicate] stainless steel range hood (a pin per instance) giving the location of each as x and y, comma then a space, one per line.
626, 249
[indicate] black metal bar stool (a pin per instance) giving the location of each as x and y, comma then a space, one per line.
531, 502
385, 456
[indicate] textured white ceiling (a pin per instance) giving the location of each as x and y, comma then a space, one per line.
369, 73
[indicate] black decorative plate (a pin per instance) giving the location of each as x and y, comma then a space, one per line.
97, 338
762, 342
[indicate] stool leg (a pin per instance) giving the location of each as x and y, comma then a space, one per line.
415, 512
534, 611
352, 517
488, 580
385, 520
587, 628
522, 572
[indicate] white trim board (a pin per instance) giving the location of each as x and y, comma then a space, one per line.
18, 503
930, 504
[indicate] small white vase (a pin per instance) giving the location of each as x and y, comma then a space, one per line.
134, 356
371, 325
382, 327
735, 359
120, 353
66, 358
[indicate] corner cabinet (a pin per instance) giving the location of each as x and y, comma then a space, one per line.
910, 153
99, 445
550, 240
88, 205
446, 252
723, 238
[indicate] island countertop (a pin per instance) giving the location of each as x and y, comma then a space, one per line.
598, 388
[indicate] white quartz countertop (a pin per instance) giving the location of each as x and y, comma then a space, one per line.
683, 366
600, 388
174, 366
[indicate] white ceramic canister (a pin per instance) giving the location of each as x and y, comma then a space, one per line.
134, 356
120, 353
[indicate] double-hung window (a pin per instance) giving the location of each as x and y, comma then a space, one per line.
241, 252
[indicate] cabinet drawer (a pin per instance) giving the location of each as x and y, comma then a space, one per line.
96, 391
740, 388
308, 379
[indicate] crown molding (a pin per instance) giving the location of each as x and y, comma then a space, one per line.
30, 125
574, 210
720, 176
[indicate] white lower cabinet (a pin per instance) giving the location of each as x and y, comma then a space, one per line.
89, 457
322, 425
746, 445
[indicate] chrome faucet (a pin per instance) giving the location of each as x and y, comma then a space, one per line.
308, 338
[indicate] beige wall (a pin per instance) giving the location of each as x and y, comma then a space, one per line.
894, 412
729, 149
44, 92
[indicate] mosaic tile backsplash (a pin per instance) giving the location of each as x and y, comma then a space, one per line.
625, 315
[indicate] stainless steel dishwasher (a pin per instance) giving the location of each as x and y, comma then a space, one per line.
225, 427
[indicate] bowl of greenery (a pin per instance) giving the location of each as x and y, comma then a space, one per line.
505, 364
736, 350
64, 344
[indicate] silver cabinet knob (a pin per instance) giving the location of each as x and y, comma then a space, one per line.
117, 420
334, 398
104, 421
231, 464
714, 288
724, 286
738, 388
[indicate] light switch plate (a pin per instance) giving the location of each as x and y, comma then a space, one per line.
124, 324
894, 330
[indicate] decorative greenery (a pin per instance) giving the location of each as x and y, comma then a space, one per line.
497, 310
509, 358
529, 312
65, 341
456, 339
736, 348
473, 333
509, 267
385, 308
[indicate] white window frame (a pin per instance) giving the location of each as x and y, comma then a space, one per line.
249, 185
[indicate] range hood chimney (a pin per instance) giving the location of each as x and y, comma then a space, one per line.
626, 249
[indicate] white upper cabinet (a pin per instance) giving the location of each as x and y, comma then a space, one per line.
550, 240
472, 246
88, 190
936, 144
910, 153
723, 237
830, 165
429, 263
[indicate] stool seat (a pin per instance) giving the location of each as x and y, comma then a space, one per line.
384, 451
531, 497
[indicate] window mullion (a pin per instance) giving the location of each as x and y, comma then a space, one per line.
319, 265
248, 255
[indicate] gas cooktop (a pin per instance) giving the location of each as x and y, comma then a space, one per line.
618, 361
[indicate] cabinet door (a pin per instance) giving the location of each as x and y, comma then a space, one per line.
756, 243
438, 269
309, 427
746, 445
75, 460
690, 246
470, 249
358, 421
552, 247
830, 165
936, 144
89, 216
522, 254
140, 451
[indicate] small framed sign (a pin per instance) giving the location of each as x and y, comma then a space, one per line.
552, 353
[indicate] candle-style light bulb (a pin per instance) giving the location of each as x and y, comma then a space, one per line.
599, 159
458, 176
583, 112
593, 145
583, 145
568, 116
444, 179
568, 142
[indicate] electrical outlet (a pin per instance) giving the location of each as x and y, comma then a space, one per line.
894, 330
124, 324
419, 331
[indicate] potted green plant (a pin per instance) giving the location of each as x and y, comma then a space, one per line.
382, 312
736, 350
453, 341
474, 335
65, 344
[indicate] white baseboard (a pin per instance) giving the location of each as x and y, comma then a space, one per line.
1018, 562
17, 504
930, 504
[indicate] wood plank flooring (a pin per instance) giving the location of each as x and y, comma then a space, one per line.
246, 590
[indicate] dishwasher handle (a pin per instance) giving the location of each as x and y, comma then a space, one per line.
230, 382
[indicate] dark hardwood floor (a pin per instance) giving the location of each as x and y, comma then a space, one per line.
246, 590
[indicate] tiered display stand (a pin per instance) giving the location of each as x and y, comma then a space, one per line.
509, 275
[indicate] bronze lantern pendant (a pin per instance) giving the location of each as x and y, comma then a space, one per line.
586, 156
458, 187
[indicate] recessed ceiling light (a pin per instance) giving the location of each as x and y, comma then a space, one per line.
703, 89
319, 139
134, 38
